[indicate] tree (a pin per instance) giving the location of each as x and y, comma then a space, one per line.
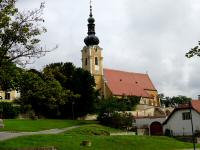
112, 111
44, 97
113, 104
78, 81
174, 101
19, 33
9, 76
194, 51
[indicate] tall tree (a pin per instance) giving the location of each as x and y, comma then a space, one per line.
194, 51
19, 33
77, 80
45, 97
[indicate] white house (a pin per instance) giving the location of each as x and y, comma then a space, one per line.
151, 125
179, 121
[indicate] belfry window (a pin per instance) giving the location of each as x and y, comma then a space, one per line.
96, 61
86, 61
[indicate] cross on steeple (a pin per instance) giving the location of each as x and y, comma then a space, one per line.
90, 8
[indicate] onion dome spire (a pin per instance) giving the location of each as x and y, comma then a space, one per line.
91, 39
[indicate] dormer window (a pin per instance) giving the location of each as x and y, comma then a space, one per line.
96, 61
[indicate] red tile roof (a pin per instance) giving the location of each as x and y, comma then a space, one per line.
128, 83
196, 105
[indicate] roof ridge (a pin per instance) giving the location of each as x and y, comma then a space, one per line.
125, 71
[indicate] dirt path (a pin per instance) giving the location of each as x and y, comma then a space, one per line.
8, 135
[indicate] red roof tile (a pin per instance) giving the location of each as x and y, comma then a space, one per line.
196, 105
128, 83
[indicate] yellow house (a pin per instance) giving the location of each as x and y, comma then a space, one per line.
9, 95
111, 82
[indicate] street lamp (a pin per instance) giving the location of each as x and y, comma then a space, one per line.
193, 136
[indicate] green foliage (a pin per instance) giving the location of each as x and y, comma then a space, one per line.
45, 97
79, 81
9, 76
121, 120
117, 104
174, 101
180, 100
111, 111
194, 51
58, 89
8, 110
19, 33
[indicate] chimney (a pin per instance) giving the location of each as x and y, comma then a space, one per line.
199, 97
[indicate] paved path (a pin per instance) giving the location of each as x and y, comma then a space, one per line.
122, 133
8, 135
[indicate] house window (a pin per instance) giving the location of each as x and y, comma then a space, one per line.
7, 96
86, 61
186, 116
96, 61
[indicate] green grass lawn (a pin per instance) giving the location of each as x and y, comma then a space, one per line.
71, 140
17, 125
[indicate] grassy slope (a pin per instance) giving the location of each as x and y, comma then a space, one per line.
37, 125
72, 139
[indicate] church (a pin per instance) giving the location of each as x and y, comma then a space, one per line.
111, 82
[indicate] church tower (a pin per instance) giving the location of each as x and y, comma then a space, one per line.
92, 59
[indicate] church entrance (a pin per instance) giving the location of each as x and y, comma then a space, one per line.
156, 128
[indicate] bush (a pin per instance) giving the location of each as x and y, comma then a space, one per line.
9, 110
121, 120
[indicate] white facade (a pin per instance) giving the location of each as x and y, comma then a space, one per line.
180, 127
147, 121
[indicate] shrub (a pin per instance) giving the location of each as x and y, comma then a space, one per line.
9, 110
121, 120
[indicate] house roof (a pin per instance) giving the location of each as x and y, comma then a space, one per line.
128, 83
195, 106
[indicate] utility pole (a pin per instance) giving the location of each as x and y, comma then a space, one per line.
193, 136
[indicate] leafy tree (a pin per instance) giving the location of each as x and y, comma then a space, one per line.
113, 104
194, 51
79, 81
174, 101
45, 97
19, 33
9, 76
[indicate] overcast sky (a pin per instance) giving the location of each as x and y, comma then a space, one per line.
136, 35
